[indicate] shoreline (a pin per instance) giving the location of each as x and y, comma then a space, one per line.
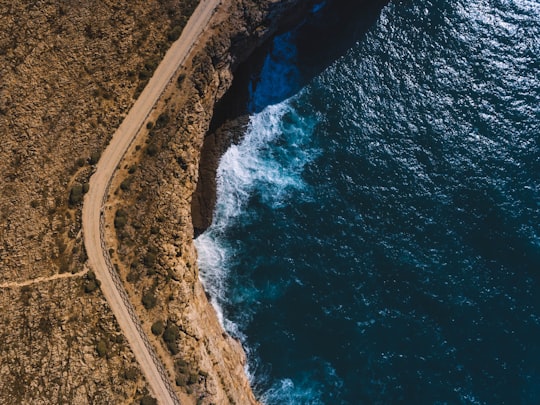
154, 251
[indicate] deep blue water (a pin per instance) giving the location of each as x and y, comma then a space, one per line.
376, 238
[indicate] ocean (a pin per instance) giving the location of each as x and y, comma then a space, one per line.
376, 237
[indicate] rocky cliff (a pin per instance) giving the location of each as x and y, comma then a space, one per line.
149, 211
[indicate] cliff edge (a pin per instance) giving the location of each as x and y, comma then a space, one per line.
150, 229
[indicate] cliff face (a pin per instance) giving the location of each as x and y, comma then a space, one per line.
149, 211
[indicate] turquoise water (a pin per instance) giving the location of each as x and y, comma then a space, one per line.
376, 237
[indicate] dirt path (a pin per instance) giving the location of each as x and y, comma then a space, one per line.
92, 219
18, 284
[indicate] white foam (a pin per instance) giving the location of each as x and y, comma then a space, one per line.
256, 164
286, 392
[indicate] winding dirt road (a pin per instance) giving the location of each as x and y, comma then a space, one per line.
98, 256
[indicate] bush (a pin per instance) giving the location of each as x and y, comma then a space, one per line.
120, 219
181, 380
90, 286
152, 149
131, 374
171, 333
193, 378
148, 400
76, 193
150, 259
158, 327
149, 300
102, 349
180, 79
94, 158
162, 120
173, 348
126, 184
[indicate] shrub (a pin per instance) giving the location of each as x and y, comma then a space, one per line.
180, 79
126, 184
90, 286
149, 300
94, 158
148, 400
181, 380
131, 374
76, 193
120, 219
102, 349
152, 149
193, 378
150, 259
158, 327
162, 120
171, 333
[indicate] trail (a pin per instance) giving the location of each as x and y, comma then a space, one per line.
18, 284
92, 218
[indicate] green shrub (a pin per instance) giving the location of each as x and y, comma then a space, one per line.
120, 219
171, 333
90, 286
193, 378
162, 120
158, 327
102, 349
180, 79
152, 149
149, 300
150, 259
94, 158
148, 400
126, 184
76, 194
173, 348
174, 33
131, 374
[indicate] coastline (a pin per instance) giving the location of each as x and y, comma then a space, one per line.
204, 361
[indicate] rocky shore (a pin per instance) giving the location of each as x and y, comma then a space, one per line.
150, 210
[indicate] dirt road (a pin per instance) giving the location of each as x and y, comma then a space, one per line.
98, 256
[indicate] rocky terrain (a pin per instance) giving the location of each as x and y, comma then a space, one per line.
69, 73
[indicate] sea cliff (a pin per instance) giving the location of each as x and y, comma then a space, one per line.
152, 243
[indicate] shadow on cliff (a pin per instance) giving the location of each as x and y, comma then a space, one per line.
320, 39
323, 36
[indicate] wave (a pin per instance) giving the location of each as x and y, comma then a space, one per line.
268, 163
